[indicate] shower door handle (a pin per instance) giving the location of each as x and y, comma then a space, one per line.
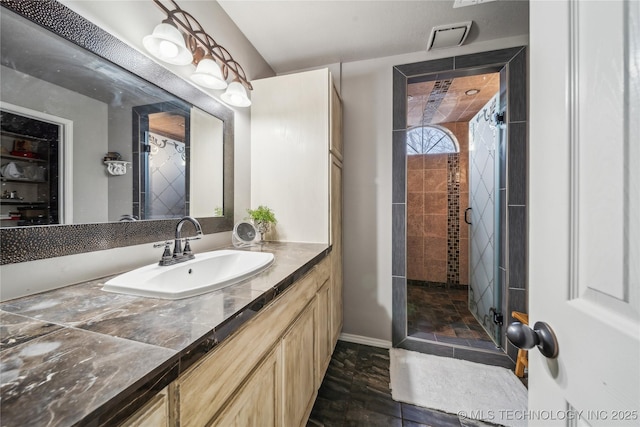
466, 219
541, 336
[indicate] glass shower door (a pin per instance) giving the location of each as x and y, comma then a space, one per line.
484, 291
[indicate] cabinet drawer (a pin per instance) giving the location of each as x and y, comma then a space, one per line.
206, 386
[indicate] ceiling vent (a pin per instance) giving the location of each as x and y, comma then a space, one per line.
449, 35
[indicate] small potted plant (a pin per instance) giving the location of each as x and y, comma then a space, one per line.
262, 218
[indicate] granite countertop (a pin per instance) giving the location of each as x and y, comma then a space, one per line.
81, 356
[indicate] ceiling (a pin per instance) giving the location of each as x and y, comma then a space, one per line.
295, 35
168, 124
449, 103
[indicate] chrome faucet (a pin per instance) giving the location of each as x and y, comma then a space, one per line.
179, 254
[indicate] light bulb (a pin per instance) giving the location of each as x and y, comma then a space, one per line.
168, 49
209, 74
236, 95
167, 44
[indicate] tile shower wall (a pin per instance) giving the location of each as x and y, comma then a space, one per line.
437, 195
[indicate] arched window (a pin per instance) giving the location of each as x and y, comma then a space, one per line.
431, 140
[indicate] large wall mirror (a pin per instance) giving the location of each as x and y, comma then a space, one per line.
96, 138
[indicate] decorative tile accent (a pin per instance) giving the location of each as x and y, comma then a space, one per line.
440, 89
453, 219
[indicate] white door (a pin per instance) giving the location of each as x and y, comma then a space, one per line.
584, 211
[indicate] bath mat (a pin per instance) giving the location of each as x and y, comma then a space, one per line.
470, 390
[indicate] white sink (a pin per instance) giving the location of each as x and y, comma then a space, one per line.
208, 272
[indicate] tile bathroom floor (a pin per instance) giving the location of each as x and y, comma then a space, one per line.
355, 392
436, 313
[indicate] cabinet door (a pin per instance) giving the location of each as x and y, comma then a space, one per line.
257, 403
298, 365
154, 414
336, 252
290, 129
324, 331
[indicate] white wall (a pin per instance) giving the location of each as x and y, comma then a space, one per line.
120, 186
130, 21
366, 92
206, 180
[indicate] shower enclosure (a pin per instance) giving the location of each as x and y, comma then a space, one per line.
500, 253
451, 212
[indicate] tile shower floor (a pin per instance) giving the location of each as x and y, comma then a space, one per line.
436, 313
355, 392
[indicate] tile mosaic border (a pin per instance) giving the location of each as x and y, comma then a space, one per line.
453, 219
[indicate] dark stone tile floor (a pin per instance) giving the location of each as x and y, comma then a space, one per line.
355, 392
438, 313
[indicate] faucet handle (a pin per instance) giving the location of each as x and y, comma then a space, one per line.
188, 239
163, 244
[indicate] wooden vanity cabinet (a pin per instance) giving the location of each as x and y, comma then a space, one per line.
204, 390
297, 144
267, 373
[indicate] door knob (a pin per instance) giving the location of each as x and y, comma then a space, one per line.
541, 336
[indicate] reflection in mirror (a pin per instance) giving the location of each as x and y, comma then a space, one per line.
160, 149
101, 113
166, 167
206, 186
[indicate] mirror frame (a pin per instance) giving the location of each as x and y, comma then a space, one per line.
22, 244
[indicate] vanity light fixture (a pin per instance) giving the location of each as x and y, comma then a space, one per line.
181, 40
